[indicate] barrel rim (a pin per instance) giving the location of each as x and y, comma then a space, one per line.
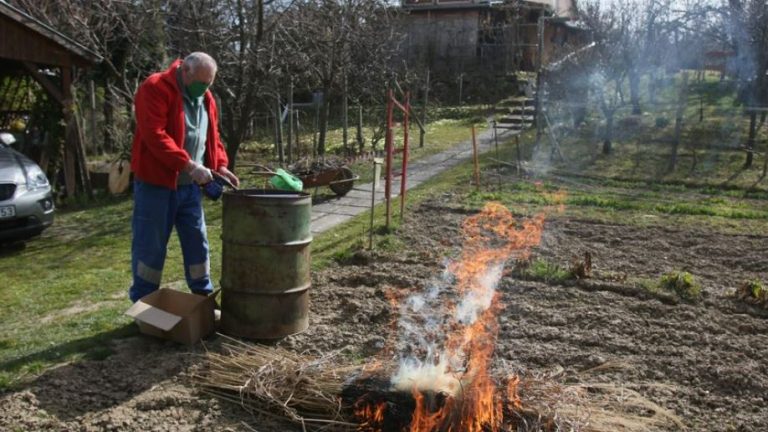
266, 194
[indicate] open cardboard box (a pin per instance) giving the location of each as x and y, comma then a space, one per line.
174, 315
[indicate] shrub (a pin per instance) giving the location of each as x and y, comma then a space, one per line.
662, 122
682, 283
753, 292
541, 269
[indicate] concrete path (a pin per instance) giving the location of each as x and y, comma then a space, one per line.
338, 210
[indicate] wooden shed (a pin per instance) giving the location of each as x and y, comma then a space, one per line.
31, 48
501, 35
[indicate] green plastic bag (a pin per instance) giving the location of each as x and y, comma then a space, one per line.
283, 180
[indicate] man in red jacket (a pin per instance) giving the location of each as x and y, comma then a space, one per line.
175, 147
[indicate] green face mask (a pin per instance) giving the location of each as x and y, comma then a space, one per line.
197, 89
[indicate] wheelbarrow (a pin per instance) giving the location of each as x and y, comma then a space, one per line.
339, 179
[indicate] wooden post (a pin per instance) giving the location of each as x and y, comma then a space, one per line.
404, 173
279, 132
73, 144
422, 131
519, 163
360, 141
388, 147
475, 160
315, 130
290, 122
297, 135
539, 64
373, 202
92, 117
344, 109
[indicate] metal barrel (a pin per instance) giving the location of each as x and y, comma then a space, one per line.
265, 263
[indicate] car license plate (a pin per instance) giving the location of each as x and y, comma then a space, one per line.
7, 212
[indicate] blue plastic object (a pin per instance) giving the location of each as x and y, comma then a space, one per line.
214, 189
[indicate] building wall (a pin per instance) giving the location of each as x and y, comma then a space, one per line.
444, 38
460, 39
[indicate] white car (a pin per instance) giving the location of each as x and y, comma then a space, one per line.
26, 201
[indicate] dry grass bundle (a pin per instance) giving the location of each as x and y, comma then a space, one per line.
609, 407
277, 383
315, 393
549, 405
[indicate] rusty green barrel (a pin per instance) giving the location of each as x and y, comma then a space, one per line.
265, 263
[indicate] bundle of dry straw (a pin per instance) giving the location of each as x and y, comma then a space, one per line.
277, 383
307, 390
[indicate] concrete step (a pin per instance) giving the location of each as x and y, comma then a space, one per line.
512, 127
516, 119
517, 101
529, 110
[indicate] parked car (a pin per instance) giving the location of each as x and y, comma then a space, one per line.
26, 201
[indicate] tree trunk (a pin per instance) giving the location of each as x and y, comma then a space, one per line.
607, 145
634, 92
751, 139
323, 124
681, 102
109, 119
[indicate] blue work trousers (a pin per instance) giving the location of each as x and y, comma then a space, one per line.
156, 210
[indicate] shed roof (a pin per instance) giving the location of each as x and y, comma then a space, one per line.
25, 38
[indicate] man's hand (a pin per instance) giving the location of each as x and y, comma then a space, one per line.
200, 174
226, 173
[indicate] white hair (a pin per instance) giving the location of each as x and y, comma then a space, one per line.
198, 59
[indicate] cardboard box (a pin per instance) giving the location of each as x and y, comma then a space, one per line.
174, 315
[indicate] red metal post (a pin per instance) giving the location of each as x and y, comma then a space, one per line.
389, 149
404, 174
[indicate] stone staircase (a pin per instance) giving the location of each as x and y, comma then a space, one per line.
518, 112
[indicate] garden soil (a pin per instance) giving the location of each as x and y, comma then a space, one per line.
706, 361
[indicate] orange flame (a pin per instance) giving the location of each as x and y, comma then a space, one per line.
491, 238
512, 393
372, 415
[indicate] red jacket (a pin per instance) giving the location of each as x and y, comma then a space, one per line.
158, 151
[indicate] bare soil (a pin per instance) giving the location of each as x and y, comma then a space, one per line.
706, 361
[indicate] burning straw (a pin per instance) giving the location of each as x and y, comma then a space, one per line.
319, 393
445, 381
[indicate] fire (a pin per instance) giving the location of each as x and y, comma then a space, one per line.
450, 381
514, 398
373, 415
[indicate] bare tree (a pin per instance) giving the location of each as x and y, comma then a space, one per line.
747, 33
237, 34
328, 41
610, 27
129, 36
